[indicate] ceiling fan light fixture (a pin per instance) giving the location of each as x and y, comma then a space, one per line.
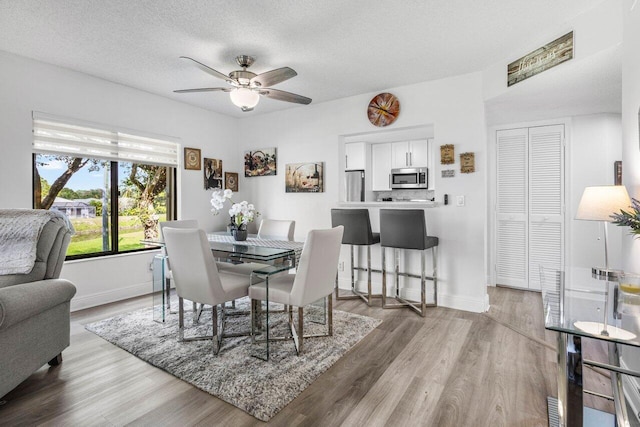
244, 98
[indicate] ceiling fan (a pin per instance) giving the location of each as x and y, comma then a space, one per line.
246, 87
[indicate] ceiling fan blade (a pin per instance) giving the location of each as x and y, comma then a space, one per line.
205, 89
273, 77
210, 70
281, 95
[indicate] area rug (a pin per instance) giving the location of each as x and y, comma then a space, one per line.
260, 388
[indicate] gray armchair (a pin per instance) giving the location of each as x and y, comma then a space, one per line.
34, 306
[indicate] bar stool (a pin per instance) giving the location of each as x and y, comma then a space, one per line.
357, 231
407, 229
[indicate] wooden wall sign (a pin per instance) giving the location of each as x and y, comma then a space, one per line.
548, 56
467, 163
617, 172
447, 154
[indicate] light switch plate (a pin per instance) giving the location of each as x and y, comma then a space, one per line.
459, 200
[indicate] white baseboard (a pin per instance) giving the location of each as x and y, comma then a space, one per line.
112, 295
474, 305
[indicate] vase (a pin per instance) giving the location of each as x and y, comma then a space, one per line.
239, 234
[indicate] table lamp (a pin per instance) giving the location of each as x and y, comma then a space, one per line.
598, 204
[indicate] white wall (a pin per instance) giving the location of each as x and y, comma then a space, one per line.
595, 146
594, 31
453, 106
631, 167
27, 85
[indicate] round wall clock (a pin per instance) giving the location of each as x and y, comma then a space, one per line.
383, 109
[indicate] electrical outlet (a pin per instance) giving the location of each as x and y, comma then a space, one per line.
341, 266
459, 200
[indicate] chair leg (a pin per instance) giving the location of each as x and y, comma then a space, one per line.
216, 338
384, 276
337, 289
434, 257
423, 298
56, 360
253, 321
369, 275
330, 313
300, 330
167, 288
180, 319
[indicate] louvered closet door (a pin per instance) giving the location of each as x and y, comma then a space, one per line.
511, 208
546, 200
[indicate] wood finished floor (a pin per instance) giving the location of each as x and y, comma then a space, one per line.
451, 368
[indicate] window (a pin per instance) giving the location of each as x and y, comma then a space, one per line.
114, 187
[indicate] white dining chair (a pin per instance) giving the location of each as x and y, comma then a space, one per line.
313, 281
277, 229
197, 279
182, 223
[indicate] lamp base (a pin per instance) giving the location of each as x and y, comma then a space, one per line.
605, 274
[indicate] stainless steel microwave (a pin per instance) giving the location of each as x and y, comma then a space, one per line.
409, 178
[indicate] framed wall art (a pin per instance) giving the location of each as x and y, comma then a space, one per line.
231, 181
304, 177
212, 173
467, 163
447, 154
261, 162
192, 158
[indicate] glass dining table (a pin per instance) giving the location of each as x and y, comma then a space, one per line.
272, 256
578, 304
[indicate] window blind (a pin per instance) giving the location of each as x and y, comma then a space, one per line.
56, 137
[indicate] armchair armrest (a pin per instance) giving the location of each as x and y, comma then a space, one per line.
19, 302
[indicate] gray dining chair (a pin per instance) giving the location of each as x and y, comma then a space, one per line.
278, 229
197, 279
313, 281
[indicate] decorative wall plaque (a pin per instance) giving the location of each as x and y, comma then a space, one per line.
447, 154
467, 163
192, 158
383, 109
617, 172
231, 181
449, 173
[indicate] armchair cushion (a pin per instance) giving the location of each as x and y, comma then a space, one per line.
18, 303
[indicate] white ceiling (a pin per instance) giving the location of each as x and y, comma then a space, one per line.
339, 48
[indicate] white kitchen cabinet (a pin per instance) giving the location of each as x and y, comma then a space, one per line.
380, 166
406, 154
355, 155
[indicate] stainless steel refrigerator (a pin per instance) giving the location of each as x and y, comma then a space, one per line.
354, 185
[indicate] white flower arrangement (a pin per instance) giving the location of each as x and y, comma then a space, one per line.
241, 213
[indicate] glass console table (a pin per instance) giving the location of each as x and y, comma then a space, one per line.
578, 305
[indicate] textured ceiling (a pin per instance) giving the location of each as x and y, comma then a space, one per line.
339, 48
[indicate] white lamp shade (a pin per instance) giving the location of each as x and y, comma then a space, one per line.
599, 203
244, 98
